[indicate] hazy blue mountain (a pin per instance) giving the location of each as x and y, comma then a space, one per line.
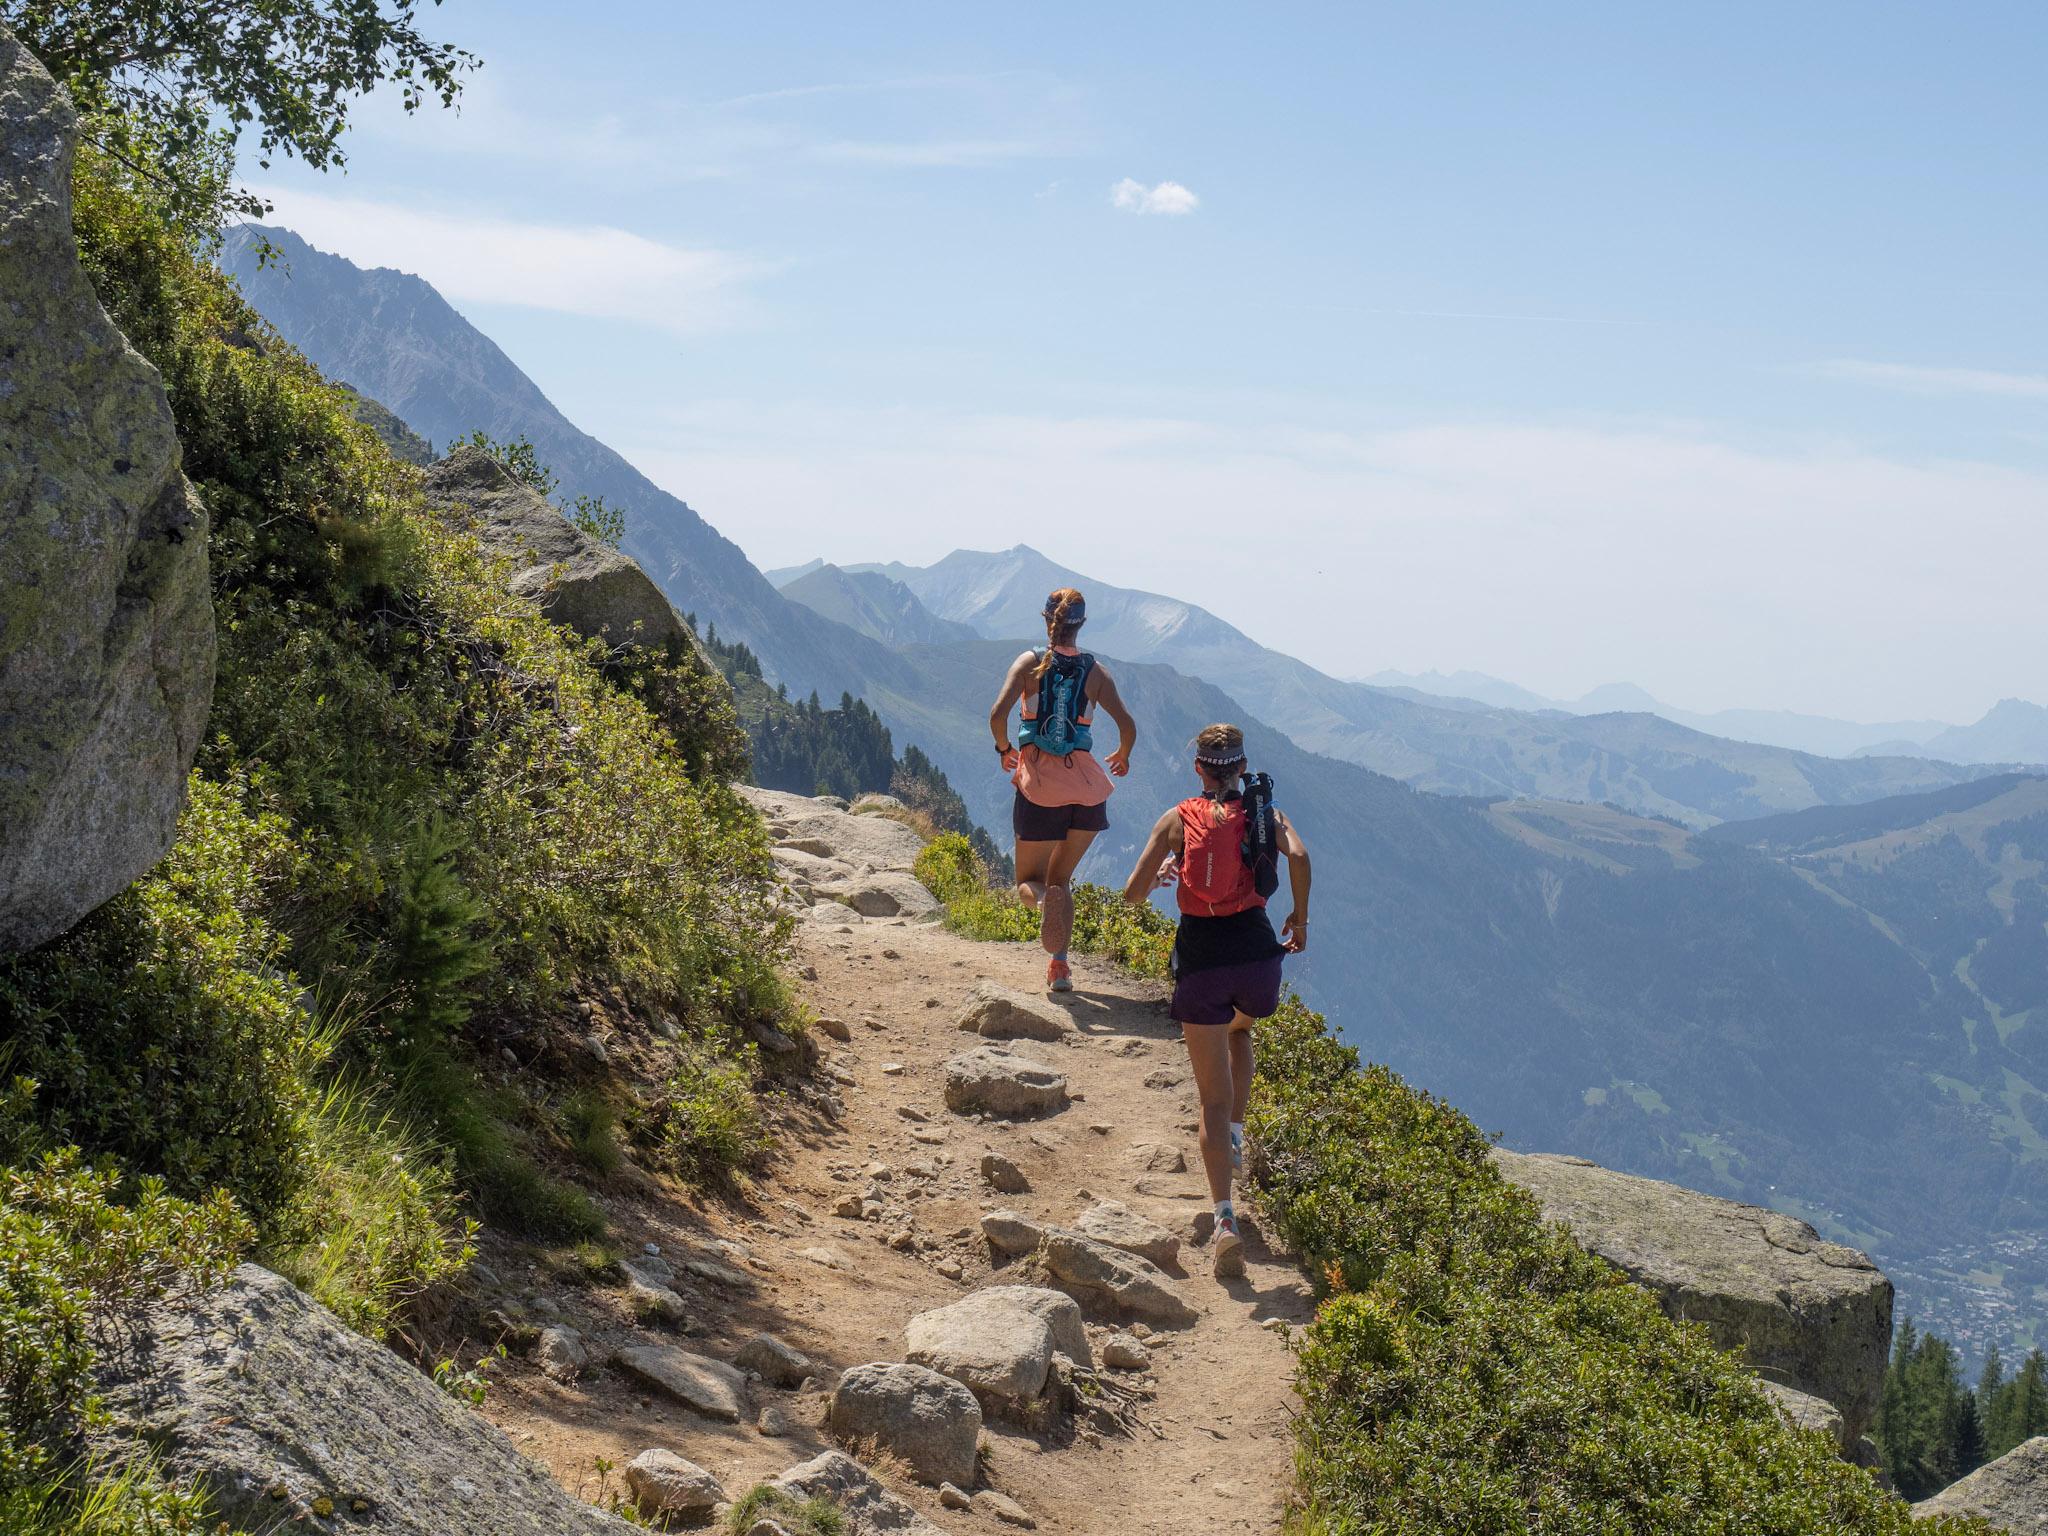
1576, 977
874, 605
1471, 687
2013, 731
1819, 735
1636, 759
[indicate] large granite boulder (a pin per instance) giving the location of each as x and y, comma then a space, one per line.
292, 1421
999, 1344
2011, 1492
1801, 1311
577, 580
106, 621
930, 1422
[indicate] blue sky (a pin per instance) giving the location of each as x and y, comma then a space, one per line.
1701, 346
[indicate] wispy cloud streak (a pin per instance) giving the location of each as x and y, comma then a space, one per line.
1916, 380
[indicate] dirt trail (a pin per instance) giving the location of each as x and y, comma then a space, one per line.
840, 1290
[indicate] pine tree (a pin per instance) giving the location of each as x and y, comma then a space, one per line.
1967, 1448
1991, 1401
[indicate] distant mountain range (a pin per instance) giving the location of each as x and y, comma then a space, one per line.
1577, 977
1635, 759
2014, 732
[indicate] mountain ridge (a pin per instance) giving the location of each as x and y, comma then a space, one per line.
1637, 759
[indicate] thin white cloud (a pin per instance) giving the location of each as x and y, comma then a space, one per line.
906, 124
1167, 197
592, 270
937, 152
1939, 381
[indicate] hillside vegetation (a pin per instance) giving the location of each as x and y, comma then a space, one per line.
1471, 1367
426, 829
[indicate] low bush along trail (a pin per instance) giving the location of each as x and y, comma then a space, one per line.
1471, 1368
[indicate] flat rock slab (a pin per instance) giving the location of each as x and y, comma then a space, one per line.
1114, 1223
2011, 1492
711, 1387
257, 1388
868, 1505
1121, 1280
999, 1343
930, 1421
1003, 1013
1800, 1310
1010, 1234
993, 1080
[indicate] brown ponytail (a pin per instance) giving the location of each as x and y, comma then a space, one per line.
1059, 630
1220, 750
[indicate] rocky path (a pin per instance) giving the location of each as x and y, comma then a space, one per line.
878, 1209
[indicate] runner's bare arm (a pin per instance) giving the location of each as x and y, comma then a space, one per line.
1102, 688
1295, 930
1145, 875
999, 712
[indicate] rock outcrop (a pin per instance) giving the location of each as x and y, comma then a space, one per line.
830, 860
2011, 1492
106, 621
1803, 1312
930, 1422
577, 580
289, 1419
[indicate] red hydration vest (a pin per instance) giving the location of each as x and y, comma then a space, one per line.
1215, 881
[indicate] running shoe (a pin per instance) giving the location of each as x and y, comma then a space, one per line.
1229, 1255
1059, 976
1236, 1156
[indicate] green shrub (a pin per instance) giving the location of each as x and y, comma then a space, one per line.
1138, 938
1473, 1370
708, 1124
161, 1029
950, 869
815, 1516
79, 1253
592, 1124
379, 1224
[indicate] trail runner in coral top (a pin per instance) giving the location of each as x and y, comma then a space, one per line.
1062, 791
1222, 849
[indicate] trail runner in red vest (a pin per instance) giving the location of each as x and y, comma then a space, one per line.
1226, 957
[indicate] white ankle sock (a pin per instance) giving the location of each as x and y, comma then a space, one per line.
1225, 1211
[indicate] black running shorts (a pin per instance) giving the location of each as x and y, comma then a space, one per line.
1051, 823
